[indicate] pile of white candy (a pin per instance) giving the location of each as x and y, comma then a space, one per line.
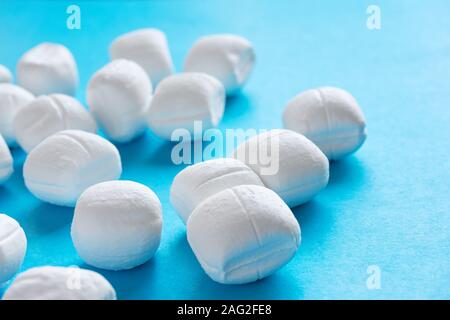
238, 217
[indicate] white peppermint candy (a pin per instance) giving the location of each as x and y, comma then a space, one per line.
148, 48
60, 283
47, 115
119, 96
65, 164
117, 225
329, 117
183, 100
13, 246
48, 68
288, 163
229, 58
243, 234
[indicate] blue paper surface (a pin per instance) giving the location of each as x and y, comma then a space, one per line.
387, 205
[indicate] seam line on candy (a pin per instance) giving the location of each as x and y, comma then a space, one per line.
239, 170
61, 111
335, 140
76, 141
130, 256
248, 216
29, 128
36, 182
327, 116
311, 182
8, 236
259, 258
224, 272
343, 133
251, 223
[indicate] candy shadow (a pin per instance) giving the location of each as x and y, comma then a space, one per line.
46, 218
316, 220
4, 193
129, 284
269, 288
349, 171
162, 155
200, 286
317, 217
309, 212
237, 105
19, 156
135, 151
15, 183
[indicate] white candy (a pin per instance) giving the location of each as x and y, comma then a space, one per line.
12, 99
48, 115
200, 181
295, 167
65, 164
5, 74
243, 234
48, 68
148, 48
117, 225
60, 283
183, 99
119, 95
13, 246
329, 117
6, 161
229, 58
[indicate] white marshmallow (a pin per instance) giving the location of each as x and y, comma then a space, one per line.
13, 246
229, 58
183, 99
243, 234
329, 117
198, 182
6, 161
65, 164
5, 74
48, 68
148, 48
47, 115
117, 225
12, 99
288, 163
119, 95
60, 283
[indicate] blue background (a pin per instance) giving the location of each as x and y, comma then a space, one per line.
387, 205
